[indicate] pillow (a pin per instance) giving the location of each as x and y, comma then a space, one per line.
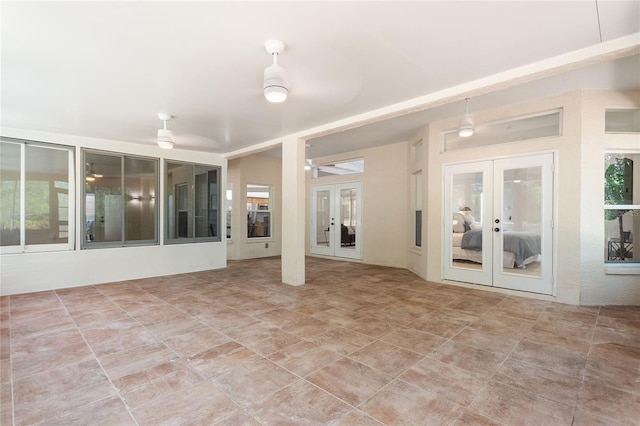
458, 223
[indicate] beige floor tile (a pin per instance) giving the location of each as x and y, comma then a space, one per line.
556, 357
60, 356
109, 411
194, 342
342, 340
541, 381
60, 391
202, 404
510, 405
403, 404
453, 383
357, 418
481, 362
237, 347
414, 340
156, 382
610, 403
349, 380
254, 380
469, 418
388, 358
120, 364
299, 404
304, 358
220, 359
6, 404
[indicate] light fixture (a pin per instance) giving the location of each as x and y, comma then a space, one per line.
276, 85
165, 137
307, 160
91, 175
466, 124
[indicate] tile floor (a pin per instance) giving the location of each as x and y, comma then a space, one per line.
357, 345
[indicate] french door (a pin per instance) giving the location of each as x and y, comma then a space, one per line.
498, 226
336, 220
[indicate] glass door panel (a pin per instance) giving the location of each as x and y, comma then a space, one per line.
335, 220
323, 218
467, 205
523, 223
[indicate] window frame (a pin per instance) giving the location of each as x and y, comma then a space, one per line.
619, 266
191, 197
22, 247
269, 210
86, 245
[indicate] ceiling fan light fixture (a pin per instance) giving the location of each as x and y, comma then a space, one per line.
276, 84
466, 127
466, 124
165, 137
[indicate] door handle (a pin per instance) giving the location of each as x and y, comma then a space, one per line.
496, 229
497, 220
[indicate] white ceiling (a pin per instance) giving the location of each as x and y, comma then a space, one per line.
105, 69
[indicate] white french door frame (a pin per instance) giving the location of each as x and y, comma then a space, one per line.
491, 272
326, 238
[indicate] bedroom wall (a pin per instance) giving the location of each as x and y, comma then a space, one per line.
31, 272
257, 170
384, 187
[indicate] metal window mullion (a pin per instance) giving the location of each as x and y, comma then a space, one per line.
23, 192
124, 205
192, 192
71, 194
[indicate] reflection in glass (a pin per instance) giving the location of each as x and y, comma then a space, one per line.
103, 198
140, 183
622, 207
348, 218
10, 194
467, 204
46, 193
323, 218
522, 220
258, 211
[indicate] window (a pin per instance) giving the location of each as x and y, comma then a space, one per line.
35, 202
622, 121
259, 211
192, 202
229, 194
542, 125
416, 201
119, 200
622, 207
347, 167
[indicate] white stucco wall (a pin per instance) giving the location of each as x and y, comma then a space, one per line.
31, 272
579, 275
600, 283
254, 169
384, 210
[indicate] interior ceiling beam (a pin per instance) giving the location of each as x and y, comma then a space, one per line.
603, 52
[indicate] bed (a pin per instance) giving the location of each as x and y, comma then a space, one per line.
520, 248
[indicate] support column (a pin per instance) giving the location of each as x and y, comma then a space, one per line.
293, 211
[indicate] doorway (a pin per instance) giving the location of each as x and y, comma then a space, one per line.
336, 220
499, 223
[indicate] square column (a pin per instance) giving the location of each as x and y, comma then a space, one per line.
293, 211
